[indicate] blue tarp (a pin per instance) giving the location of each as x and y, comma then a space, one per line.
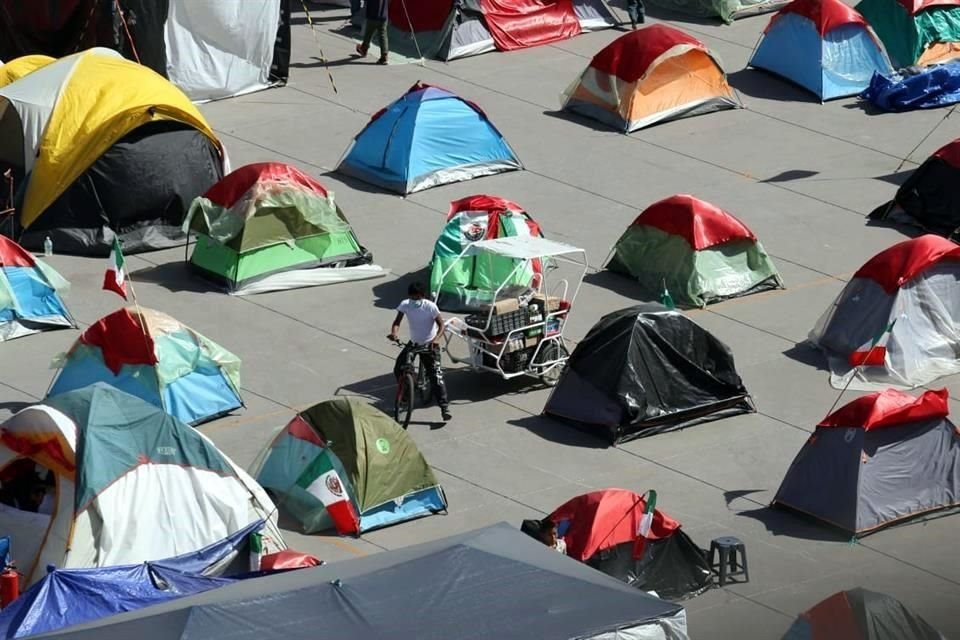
934, 87
71, 596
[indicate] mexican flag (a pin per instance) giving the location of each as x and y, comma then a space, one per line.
645, 525
321, 480
115, 279
873, 354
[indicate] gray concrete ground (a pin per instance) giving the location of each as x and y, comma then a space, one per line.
497, 459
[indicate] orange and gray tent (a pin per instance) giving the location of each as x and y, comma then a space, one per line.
930, 198
859, 614
647, 76
881, 459
696, 251
101, 147
897, 322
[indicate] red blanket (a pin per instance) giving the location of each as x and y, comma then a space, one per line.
516, 24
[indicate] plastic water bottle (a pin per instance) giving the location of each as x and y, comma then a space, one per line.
47, 247
330, 200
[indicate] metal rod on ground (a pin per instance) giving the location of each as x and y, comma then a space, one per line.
323, 58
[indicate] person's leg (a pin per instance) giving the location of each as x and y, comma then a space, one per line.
382, 41
431, 362
355, 13
368, 32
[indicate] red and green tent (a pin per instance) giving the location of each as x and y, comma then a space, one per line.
695, 250
268, 227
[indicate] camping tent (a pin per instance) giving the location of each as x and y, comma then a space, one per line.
644, 370
861, 615
697, 251
131, 484
97, 593
930, 197
489, 583
150, 355
448, 29
467, 279
726, 10
19, 67
647, 76
913, 32
426, 138
29, 294
896, 321
880, 459
600, 528
386, 477
99, 147
209, 48
822, 45
269, 227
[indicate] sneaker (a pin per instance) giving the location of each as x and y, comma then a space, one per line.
445, 414
383, 60
361, 51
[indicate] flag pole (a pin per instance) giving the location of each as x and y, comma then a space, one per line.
866, 359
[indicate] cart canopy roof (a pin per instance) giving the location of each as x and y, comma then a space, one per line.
522, 248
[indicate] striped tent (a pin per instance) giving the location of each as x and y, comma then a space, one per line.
466, 283
156, 358
29, 294
130, 483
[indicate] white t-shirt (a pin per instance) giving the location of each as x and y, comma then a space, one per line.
422, 316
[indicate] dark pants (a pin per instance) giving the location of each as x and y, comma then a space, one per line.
378, 27
636, 11
432, 368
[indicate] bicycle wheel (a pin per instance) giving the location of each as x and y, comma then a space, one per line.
553, 351
423, 384
403, 408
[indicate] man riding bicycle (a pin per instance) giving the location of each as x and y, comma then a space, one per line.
426, 328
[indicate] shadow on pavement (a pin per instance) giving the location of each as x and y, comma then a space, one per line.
757, 83
806, 353
556, 431
780, 522
389, 293
173, 276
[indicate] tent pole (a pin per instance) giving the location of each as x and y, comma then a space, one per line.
323, 58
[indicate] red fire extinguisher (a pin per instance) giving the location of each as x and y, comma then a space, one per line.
9, 585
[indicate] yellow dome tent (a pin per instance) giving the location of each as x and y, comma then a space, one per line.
57, 122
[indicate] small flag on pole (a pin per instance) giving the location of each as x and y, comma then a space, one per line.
873, 354
321, 480
115, 279
645, 524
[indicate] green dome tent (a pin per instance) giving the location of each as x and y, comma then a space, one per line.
386, 478
694, 250
915, 31
468, 283
269, 227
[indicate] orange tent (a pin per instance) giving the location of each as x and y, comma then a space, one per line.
647, 76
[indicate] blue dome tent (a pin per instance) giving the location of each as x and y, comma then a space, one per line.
823, 46
427, 138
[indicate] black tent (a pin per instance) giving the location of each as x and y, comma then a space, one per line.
930, 198
644, 370
491, 583
139, 190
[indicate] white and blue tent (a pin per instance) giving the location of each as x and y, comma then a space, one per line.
823, 46
29, 294
427, 138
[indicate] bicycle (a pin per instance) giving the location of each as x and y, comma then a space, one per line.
412, 383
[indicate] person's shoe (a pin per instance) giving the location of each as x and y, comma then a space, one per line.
445, 414
383, 60
633, 25
361, 51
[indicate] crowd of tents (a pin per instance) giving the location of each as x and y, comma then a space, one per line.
103, 144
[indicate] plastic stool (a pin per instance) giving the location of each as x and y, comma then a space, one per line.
727, 563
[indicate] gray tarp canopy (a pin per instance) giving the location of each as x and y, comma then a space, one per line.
491, 583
